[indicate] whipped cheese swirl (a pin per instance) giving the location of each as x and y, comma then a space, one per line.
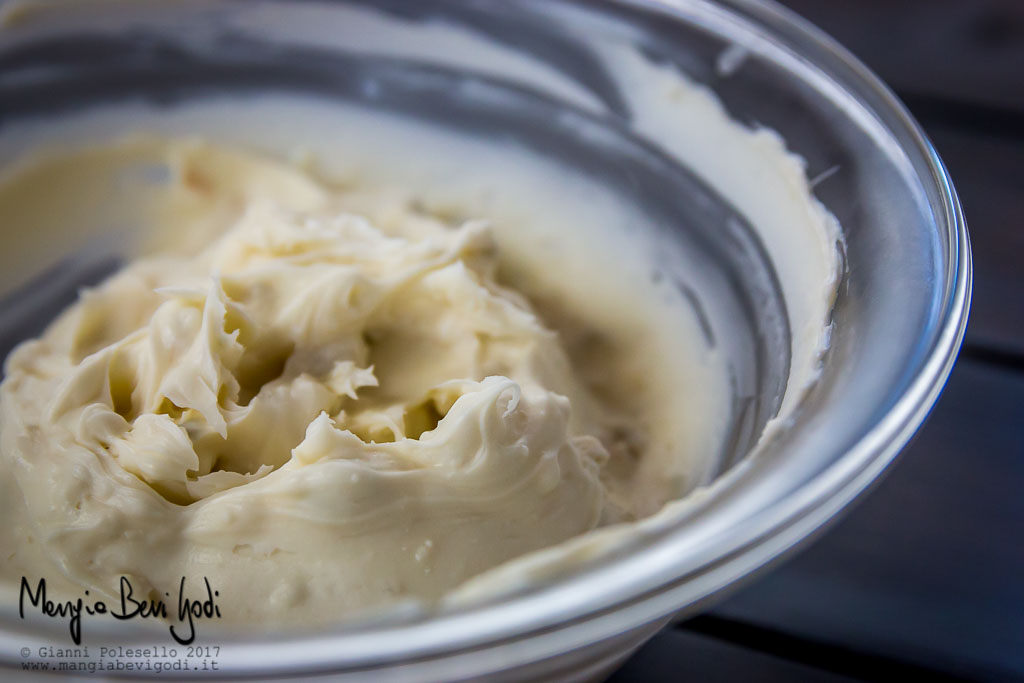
312, 408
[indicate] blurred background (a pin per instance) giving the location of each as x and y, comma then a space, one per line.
924, 577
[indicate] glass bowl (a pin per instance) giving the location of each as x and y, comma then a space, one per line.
531, 72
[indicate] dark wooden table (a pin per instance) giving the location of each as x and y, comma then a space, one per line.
924, 578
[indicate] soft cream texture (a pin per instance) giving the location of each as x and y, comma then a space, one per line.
311, 408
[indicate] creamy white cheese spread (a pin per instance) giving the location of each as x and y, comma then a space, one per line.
313, 407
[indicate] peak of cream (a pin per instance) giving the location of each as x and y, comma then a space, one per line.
329, 412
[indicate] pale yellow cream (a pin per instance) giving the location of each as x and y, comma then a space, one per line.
301, 405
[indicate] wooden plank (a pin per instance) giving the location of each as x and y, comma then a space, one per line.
676, 655
928, 568
959, 49
850, 662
